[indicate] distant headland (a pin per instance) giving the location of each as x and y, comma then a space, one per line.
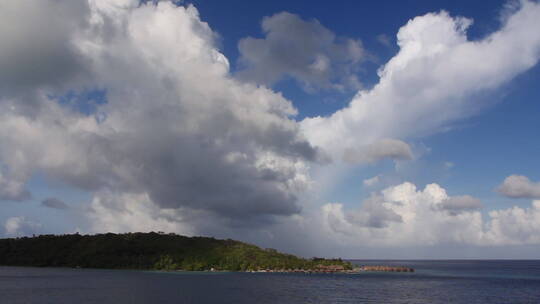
154, 251
161, 251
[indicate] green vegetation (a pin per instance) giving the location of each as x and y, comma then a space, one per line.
149, 251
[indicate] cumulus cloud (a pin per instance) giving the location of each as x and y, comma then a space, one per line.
177, 131
519, 186
53, 202
410, 216
20, 226
432, 81
304, 50
515, 226
403, 215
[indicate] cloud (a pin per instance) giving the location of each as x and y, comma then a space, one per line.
457, 204
401, 215
515, 226
12, 189
55, 203
435, 79
20, 226
40, 51
421, 219
127, 212
381, 149
176, 132
374, 212
370, 182
519, 186
304, 50
384, 40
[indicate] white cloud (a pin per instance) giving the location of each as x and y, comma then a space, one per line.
20, 226
303, 50
519, 186
404, 216
421, 220
515, 226
434, 80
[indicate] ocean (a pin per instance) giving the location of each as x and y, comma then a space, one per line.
433, 282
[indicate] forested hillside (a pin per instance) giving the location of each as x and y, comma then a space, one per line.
149, 251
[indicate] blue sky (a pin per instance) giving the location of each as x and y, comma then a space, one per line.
180, 117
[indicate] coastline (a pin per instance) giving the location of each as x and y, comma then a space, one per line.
356, 270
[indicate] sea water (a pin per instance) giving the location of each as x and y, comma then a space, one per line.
432, 282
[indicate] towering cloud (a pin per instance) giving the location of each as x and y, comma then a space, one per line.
175, 132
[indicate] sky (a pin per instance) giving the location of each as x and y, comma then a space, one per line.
384, 129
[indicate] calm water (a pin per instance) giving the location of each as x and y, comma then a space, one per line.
433, 282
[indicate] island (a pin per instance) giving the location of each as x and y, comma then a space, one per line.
156, 251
